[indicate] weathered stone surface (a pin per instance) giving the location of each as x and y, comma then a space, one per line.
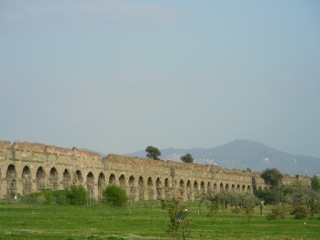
29, 147
28, 167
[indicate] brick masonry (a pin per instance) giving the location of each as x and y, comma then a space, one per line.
30, 167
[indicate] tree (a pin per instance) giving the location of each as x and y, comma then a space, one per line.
272, 177
115, 196
315, 183
153, 153
178, 216
187, 158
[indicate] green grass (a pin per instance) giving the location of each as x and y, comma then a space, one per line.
142, 221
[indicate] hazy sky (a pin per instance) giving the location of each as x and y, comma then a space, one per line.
117, 76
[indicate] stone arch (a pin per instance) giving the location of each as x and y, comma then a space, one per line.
202, 187
248, 188
90, 185
122, 181
66, 180
243, 188
150, 188
233, 188
112, 179
132, 186
166, 183
209, 188
227, 187
101, 185
238, 188
181, 192
141, 188
158, 188
26, 181
167, 188
215, 187
41, 179
196, 189
221, 186
53, 179
78, 179
11, 177
189, 190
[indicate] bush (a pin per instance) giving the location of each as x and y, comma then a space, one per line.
278, 212
35, 198
115, 196
46, 197
248, 212
59, 196
301, 212
236, 210
76, 195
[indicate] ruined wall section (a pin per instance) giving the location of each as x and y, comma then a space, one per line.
186, 181
30, 167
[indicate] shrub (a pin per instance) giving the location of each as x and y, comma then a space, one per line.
278, 212
301, 212
248, 212
115, 196
59, 196
236, 210
76, 195
35, 198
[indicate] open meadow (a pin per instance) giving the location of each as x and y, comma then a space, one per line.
142, 220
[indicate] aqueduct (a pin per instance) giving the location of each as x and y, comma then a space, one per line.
31, 167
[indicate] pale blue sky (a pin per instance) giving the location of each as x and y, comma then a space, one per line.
117, 76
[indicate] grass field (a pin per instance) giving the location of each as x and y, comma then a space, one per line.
143, 220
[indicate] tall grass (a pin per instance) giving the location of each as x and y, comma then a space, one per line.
142, 220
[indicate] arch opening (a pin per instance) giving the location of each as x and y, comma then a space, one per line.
122, 181
132, 187
53, 179
150, 188
112, 179
141, 188
41, 179
158, 188
26, 181
11, 178
78, 179
66, 180
101, 185
90, 185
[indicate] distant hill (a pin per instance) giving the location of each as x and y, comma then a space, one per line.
243, 154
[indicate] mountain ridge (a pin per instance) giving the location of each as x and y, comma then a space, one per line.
243, 154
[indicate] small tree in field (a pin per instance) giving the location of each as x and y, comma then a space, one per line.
115, 196
213, 206
178, 218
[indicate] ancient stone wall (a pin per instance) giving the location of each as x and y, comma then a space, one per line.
30, 167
